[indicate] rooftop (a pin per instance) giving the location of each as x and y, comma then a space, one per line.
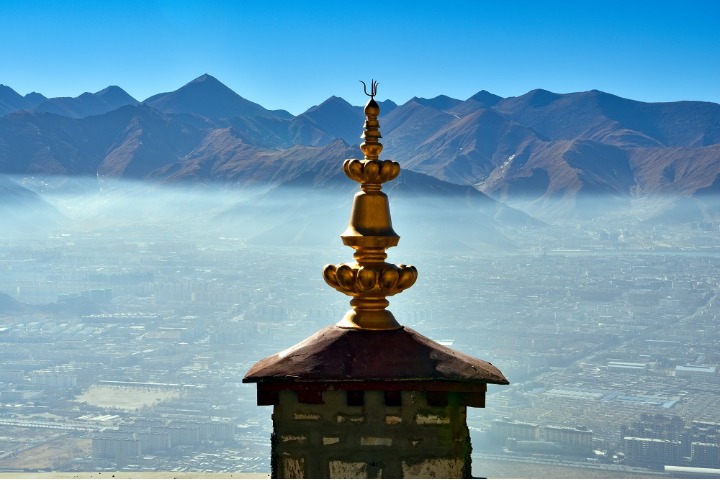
336, 354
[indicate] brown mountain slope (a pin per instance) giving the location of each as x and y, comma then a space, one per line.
542, 147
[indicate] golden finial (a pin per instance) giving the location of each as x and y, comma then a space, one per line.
371, 147
369, 280
373, 88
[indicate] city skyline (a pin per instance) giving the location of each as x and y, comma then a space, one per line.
295, 55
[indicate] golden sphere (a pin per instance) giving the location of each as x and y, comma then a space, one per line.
372, 109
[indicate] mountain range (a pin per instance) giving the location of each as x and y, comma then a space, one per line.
546, 152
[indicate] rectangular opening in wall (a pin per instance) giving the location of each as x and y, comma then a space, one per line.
437, 399
310, 396
393, 398
268, 397
355, 398
473, 399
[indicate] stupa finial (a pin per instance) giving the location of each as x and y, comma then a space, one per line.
373, 88
369, 280
372, 147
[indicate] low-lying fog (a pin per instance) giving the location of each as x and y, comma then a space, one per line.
309, 217
571, 308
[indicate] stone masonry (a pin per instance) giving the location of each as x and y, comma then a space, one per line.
370, 434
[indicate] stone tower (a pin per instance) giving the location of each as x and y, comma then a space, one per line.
368, 397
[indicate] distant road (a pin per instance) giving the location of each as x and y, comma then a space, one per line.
53, 426
565, 463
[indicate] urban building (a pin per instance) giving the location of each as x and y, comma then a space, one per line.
651, 452
578, 440
505, 429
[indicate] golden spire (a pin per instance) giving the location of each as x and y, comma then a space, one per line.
370, 278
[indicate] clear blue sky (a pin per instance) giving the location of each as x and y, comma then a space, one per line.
295, 54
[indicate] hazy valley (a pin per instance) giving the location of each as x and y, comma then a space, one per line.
152, 251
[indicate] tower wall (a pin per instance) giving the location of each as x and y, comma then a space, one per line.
371, 434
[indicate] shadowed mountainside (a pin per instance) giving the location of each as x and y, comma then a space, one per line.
545, 151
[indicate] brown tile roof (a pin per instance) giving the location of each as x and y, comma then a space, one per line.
336, 354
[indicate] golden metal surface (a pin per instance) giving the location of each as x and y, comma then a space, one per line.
370, 279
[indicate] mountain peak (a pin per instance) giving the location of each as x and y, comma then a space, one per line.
205, 77
35, 98
85, 104
11, 101
486, 98
109, 89
5, 89
116, 96
331, 103
540, 97
209, 97
206, 82
441, 102
336, 117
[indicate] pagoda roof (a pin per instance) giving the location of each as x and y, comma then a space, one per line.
336, 354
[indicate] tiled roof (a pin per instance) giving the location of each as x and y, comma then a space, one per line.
336, 354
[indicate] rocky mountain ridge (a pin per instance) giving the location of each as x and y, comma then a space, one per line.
544, 151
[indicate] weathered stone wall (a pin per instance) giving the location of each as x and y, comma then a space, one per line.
372, 434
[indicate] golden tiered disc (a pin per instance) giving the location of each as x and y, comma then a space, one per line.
370, 279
